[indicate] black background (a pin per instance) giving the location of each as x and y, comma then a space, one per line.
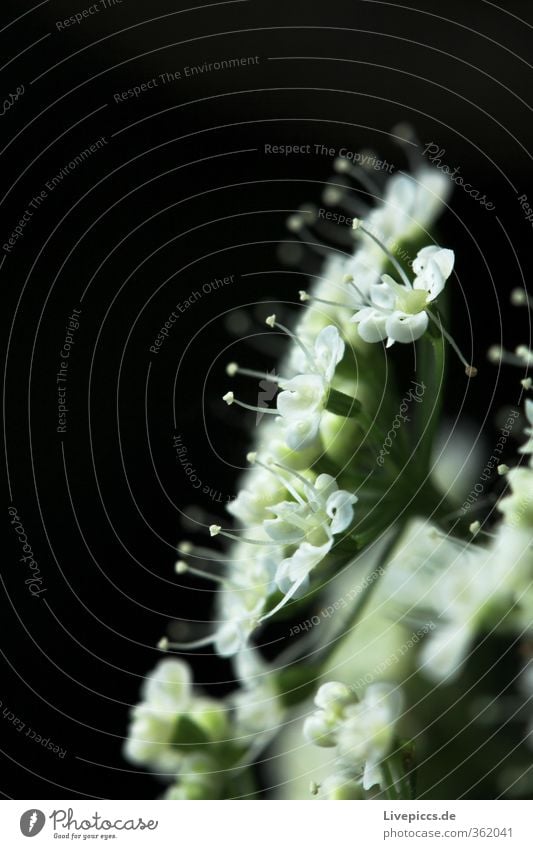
182, 195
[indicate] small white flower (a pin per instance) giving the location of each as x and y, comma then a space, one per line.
303, 398
367, 731
398, 312
362, 730
410, 205
310, 524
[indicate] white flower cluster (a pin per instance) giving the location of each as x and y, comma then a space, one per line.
171, 718
315, 507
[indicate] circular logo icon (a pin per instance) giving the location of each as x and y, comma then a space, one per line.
32, 822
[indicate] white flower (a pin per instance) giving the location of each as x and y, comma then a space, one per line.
168, 696
475, 593
362, 730
242, 600
411, 203
367, 731
458, 588
398, 312
304, 397
310, 524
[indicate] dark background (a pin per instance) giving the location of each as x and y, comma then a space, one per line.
182, 195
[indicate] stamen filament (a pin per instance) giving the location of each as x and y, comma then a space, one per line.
285, 483
215, 530
230, 399
195, 644
521, 298
182, 568
470, 370
357, 225
233, 368
364, 300
497, 355
294, 473
343, 166
272, 322
305, 296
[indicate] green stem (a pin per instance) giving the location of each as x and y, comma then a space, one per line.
366, 593
342, 404
430, 371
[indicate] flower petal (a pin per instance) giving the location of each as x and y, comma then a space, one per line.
328, 351
433, 266
371, 325
303, 432
340, 510
402, 327
301, 395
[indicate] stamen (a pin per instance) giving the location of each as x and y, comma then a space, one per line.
233, 368
215, 530
230, 399
336, 193
296, 224
475, 529
195, 644
459, 543
201, 552
305, 296
343, 166
525, 354
181, 568
526, 382
470, 370
358, 225
288, 486
332, 195
496, 355
271, 322
349, 279
520, 298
